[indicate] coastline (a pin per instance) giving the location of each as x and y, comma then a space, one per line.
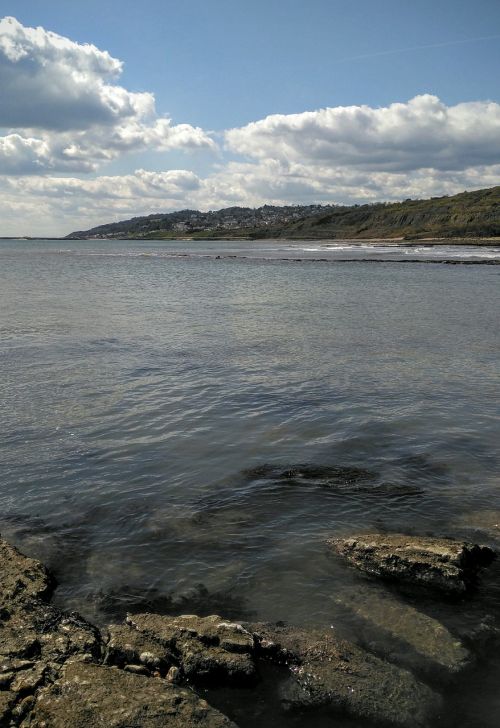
391, 242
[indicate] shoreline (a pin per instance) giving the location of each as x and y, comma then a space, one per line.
375, 242
58, 669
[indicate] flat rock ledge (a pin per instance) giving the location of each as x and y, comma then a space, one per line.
449, 566
57, 670
326, 671
404, 634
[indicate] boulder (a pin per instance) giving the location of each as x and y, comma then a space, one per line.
207, 649
326, 671
438, 563
90, 696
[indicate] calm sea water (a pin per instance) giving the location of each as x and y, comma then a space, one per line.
144, 385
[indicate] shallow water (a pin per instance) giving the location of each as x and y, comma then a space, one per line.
143, 386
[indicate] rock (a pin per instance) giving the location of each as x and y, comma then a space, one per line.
137, 669
89, 696
439, 563
326, 671
127, 645
21, 578
36, 638
7, 703
50, 671
427, 643
337, 479
207, 649
39, 631
173, 675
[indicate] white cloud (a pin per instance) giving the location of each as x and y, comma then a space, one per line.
422, 133
58, 205
42, 205
64, 114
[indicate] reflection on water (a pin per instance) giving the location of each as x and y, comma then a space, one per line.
184, 432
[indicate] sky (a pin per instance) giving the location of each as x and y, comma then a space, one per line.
117, 108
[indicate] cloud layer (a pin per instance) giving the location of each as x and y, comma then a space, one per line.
422, 133
64, 112
64, 115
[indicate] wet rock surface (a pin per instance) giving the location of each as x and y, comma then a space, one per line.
89, 695
21, 578
328, 671
405, 633
127, 647
442, 564
56, 669
207, 648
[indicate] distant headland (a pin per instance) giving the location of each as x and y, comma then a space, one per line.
468, 216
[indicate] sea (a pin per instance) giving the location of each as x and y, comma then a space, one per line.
184, 424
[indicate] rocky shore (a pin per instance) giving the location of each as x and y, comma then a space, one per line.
57, 670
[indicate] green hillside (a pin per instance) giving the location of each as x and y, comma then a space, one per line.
466, 215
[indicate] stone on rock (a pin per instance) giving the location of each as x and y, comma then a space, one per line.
207, 648
326, 671
93, 696
430, 643
438, 563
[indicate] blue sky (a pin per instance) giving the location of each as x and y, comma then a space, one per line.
219, 63
222, 65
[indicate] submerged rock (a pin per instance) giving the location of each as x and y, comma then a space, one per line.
486, 521
337, 479
328, 671
439, 563
88, 696
207, 649
427, 644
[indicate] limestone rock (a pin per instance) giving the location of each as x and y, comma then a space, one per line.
207, 648
93, 696
438, 563
40, 631
21, 577
128, 646
326, 671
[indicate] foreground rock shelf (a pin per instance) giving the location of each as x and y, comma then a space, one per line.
57, 670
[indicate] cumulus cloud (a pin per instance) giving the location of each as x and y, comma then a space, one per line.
422, 133
43, 205
64, 112
57, 205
